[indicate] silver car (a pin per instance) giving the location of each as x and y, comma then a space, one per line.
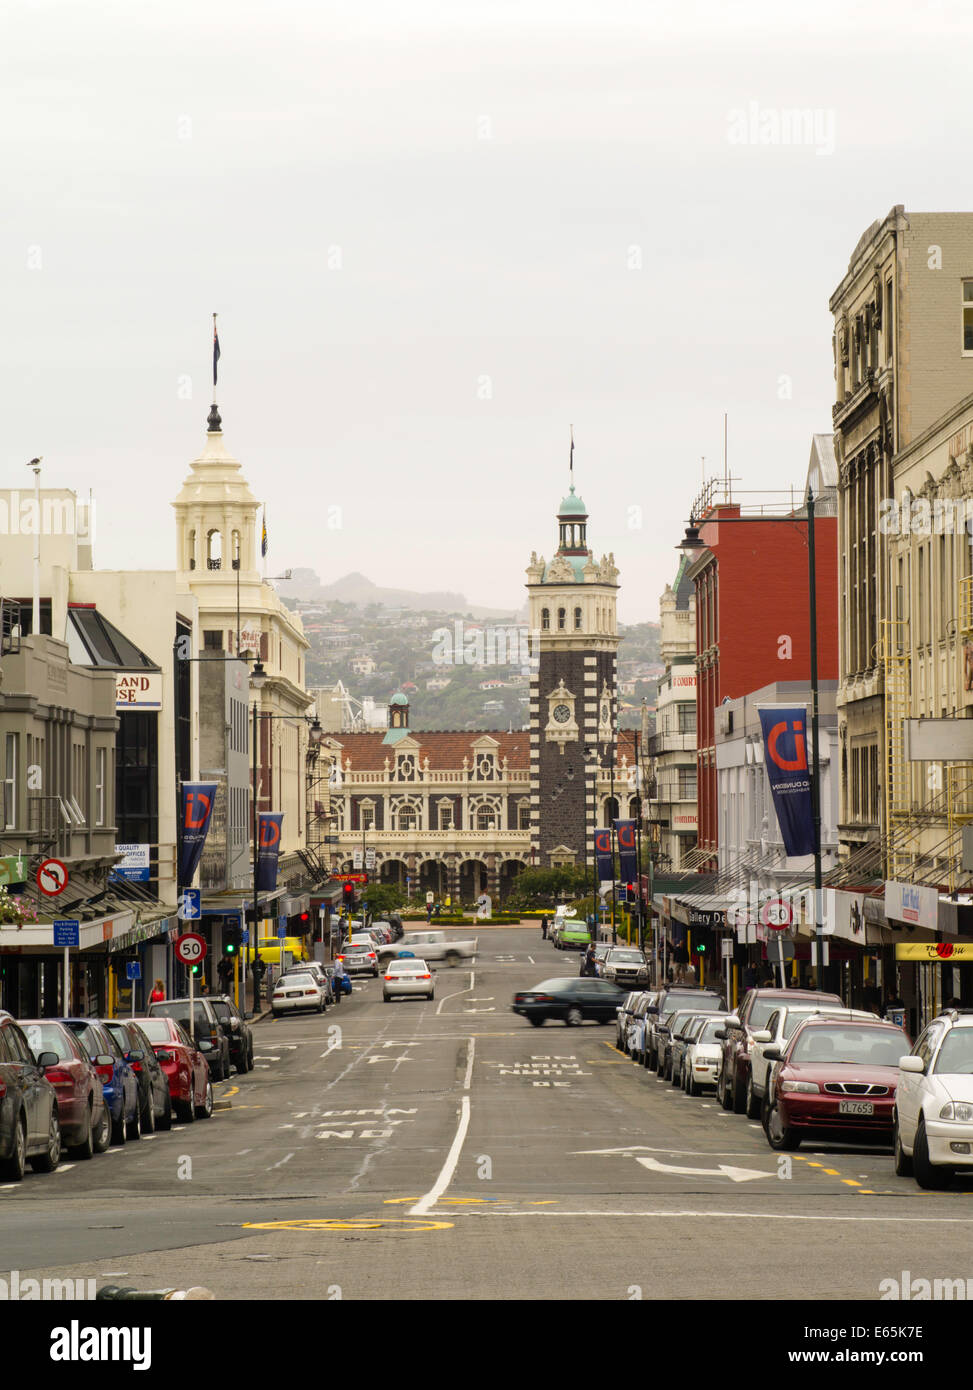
296, 991
407, 977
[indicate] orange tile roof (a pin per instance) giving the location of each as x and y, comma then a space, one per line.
445, 749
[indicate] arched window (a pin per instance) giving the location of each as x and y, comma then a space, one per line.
611, 810
577, 620
214, 550
561, 616
545, 620
192, 550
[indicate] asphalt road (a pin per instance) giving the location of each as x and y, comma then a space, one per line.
449, 1150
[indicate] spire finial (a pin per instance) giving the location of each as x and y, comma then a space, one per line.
213, 422
571, 464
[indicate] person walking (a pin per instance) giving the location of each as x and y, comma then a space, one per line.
158, 993
257, 970
544, 926
338, 981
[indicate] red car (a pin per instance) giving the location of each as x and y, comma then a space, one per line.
833, 1077
84, 1117
184, 1064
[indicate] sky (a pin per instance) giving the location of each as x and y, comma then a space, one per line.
437, 236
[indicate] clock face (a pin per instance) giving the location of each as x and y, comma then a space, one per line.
562, 713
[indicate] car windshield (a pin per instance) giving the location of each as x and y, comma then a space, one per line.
303, 977
627, 957
697, 1003
955, 1055
47, 1037
407, 967
553, 986
876, 1047
710, 1029
156, 1030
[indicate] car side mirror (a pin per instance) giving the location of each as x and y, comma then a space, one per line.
205, 1045
763, 1036
912, 1064
653, 1010
48, 1059
733, 1021
772, 1054
104, 1059
720, 1035
135, 1055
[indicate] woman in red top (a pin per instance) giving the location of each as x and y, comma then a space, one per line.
158, 994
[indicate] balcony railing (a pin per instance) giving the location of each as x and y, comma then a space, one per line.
674, 742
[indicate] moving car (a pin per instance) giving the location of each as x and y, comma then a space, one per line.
570, 934
295, 992
833, 1077
432, 946
572, 999
30, 1131
117, 1077
155, 1103
933, 1125
81, 1109
753, 1013
407, 977
184, 1065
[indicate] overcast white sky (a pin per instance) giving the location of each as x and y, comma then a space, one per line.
491, 174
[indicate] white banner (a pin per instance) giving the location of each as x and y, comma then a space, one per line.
908, 902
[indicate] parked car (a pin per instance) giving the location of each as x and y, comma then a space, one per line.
237, 1030
666, 1042
185, 1067
833, 1077
407, 977
933, 1124
320, 973
345, 986
155, 1103
207, 1029
30, 1131
360, 958
118, 1080
571, 999
684, 1031
624, 1016
268, 949
81, 1109
296, 992
780, 1026
626, 965
669, 1002
752, 1015
704, 1055
643, 1016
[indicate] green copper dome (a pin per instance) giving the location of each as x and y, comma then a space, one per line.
399, 699
572, 506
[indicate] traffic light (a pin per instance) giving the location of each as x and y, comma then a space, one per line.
232, 938
348, 896
700, 948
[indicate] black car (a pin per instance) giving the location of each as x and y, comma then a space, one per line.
670, 1001
30, 1130
236, 1030
155, 1103
570, 999
205, 1028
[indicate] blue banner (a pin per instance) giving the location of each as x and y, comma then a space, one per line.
785, 756
268, 849
604, 870
628, 860
196, 802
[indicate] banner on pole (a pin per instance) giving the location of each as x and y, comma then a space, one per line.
604, 870
197, 800
628, 861
268, 849
785, 757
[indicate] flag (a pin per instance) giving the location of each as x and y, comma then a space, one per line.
216, 350
263, 537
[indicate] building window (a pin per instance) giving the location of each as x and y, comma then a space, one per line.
408, 820
366, 814
101, 758
967, 317
212, 640
11, 758
446, 816
486, 818
687, 719
214, 550
561, 616
577, 620
687, 784
545, 620
523, 815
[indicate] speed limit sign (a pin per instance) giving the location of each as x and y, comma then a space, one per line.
190, 948
776, 914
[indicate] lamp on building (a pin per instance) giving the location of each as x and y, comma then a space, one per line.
258, 676
691, 541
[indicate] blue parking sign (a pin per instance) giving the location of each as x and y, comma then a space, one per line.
133, 970
190, 905
281, 928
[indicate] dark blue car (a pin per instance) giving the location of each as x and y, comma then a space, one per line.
118, 1078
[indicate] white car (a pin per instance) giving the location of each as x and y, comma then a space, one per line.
780, 1025
933, 1117
407, 977
295, 991
704, 1056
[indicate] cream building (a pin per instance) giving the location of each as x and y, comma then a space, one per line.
672, 809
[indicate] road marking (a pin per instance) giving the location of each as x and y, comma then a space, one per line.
456, 993
225, 1095
281, 1163
469, 1065
725, 1170
380, 1223
241, 1152
736, 1216
426, 1203
630, 1150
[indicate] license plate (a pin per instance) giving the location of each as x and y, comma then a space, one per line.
856, 1107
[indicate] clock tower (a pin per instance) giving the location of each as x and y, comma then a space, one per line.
573, 696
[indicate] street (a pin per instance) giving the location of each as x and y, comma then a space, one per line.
446, 1149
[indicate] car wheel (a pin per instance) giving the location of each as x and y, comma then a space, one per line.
739, 1096
724, 1092
187, 1109
51, 1157
452, 958
14, 1167
103, 1132
205, 1111
932, 1177
691, 1087
118, 1131
675, 1076
165, 1121
147, 1117
275, 1013
386, 997
134, 1130
782, 1138
250, 1058
903, 1161
574, 1017
536, 1022
752, 1104
86, 1148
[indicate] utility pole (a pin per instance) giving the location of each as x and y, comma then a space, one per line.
819, 974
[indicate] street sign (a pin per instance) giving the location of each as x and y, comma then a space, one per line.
430, 898
190, 948
190, 905
780, 951
245, 937
356, 859
369, 858
133, 970
52, 877
281, 928
726, 948
777, 914
67, 932
935, 950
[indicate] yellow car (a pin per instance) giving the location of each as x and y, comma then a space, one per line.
268, 949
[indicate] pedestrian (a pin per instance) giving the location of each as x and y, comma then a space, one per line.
588, 966
544, 925
225, 972
428, 913
158, 993
258, 970
338, 981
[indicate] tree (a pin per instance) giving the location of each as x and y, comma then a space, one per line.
546, 887
380, 898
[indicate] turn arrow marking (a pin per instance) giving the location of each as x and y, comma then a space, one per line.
724, 1169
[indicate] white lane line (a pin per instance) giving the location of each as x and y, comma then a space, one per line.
425, 1204
734, 1216
469, 1065
454, 995
281, 1163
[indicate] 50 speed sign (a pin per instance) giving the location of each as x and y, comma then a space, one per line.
776, 914
190, 948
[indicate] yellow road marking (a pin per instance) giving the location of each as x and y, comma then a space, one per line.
392, 1223
850, 1182
225, 1095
